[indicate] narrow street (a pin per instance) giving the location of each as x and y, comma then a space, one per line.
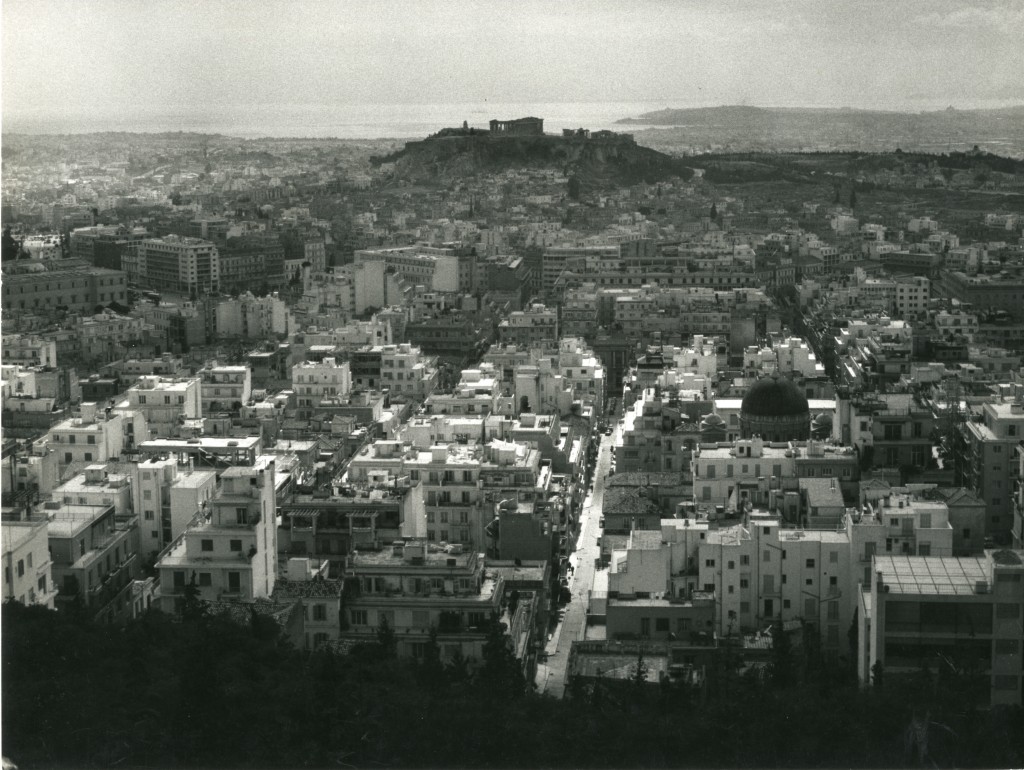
551, 675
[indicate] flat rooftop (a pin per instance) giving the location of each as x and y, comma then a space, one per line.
932, 575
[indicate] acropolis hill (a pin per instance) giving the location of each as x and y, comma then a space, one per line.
597, 159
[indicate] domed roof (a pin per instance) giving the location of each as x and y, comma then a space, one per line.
712, 421
774, 397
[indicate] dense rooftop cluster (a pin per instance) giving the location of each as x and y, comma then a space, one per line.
516, 426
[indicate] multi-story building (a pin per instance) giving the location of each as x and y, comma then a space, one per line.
224, 388
95, 558
315, 382
97, 486
232, 550
205, 451
178, 264
73, 285
762, 574
319, 599
435, 268
29, 350
165, 402
525, 327
997, 292
963, 612
166, 497
416, 588
94, 438
27, 565
376, 510
406, 373
890, 430
988, 465
254, 317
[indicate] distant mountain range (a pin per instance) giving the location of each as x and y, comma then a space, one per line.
738, 128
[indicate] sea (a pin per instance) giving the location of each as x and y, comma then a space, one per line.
358, 121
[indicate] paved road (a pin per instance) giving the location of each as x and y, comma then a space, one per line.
551, 676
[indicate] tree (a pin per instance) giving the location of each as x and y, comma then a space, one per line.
640, 669
500, 675
386, 638
714, 212
853, 199
782, 657
878, 675
574, 188
192, 608
9, 246
513, 603
431, 669
524, 404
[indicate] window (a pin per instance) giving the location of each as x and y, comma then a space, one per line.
1006, 611
236, 545
661, 625
1004, 682
732, 565
206, 545
179, 579
358, 617
21, 567
810, 564
1007, 646
234, 581
766, 557
785, 604
241, 515
744, 583
732, 589
709, 562
205, 579
319, 612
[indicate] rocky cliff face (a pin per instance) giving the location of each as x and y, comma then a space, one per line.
597, 163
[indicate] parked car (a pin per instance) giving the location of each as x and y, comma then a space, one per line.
608, 431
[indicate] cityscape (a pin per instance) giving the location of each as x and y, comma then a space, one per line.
538, 430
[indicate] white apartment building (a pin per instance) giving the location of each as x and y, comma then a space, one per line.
165, 402
166, 497
406, 372
92, 438
314, 382
97, 486
27, 565
233, 551
224, 387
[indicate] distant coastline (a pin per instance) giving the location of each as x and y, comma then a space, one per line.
391, 121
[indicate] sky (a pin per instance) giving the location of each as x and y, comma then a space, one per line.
170, 55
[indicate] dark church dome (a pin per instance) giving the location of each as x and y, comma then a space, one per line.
775, 397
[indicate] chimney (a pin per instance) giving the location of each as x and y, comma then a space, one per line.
88, 413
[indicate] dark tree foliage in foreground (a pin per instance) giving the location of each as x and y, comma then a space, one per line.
202, 691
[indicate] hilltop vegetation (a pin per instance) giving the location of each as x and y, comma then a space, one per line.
596, 163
